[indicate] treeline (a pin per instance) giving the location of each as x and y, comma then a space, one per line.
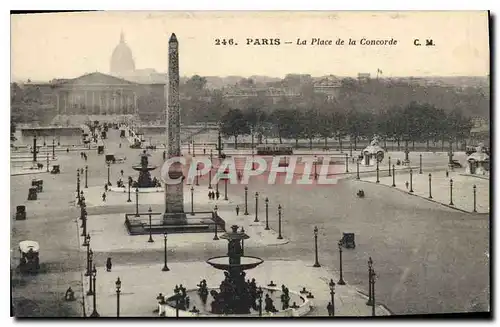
415, 122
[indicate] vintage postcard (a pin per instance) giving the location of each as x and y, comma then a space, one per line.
250, 164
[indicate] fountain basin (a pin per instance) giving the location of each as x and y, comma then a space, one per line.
140, 168
222, 262
304, 305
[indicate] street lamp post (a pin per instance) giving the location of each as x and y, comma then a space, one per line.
210, 172
109, 167
357, 168
332, 294
246, 201
267, 213
389, 168
259, 296
374, 275
150, 229
341, 279
346, 163
53, 149
420, 160
129, 185
316, 263
165, 267
393, 176
197, 183
451, 192
137, 202
216, 238
474, 191
225, 189
78, 184
84, 222
192, 201
47, 162
377, 181
86, 176
279, 222
411, 180
315, 167
370, 265
94, 311
430, 186
118, 284
256, 220
91, 258
87, 244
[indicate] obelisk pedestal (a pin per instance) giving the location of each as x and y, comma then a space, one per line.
174, 196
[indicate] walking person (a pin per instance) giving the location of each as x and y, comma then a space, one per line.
104, 197
121, 172
108, 264
217, 195
237, 210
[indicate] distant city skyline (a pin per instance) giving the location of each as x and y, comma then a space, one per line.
68, 45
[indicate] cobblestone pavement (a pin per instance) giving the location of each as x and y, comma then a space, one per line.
429, 258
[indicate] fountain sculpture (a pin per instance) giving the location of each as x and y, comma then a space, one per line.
144, 169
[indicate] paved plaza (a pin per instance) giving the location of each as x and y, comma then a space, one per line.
429, 258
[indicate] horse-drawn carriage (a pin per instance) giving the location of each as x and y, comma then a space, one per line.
29, 261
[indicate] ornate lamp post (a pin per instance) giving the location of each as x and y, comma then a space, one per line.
87, 244
357, 168
267, 213
150, 229
78, 185
225, 189
279, 222
374, 275
197, 183
346, 163
420, 160
474, 191
129, 185
86, 176
315, 167
370, 267
84, 223
109, 167
259, 296
389, 168
165, 267
246, 201
430, 186
53, 149
332, 294
137, 202
47, 162
341, 279
216, 238
192, 201
210, 172
256, 220
393, 176
94, 311
451, 192
118, 284
316, 263
378, 181
411, 180
91, 258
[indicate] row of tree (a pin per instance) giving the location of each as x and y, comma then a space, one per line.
413, 123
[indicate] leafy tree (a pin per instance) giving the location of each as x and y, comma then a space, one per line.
234, 124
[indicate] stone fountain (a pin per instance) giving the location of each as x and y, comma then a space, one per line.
144, 169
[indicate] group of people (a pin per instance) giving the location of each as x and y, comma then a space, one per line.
213, 195
83, 155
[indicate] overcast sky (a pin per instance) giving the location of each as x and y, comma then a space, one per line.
62, 45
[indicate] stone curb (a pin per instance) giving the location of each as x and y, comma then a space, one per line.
430, 200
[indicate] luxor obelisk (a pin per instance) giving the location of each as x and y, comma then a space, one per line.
174, 196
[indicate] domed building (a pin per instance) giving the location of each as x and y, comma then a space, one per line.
122, 61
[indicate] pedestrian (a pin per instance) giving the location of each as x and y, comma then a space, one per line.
237, 210
406, 183
121, 172
104, 197
329, 307
210, 195
213, 195
447, 174
106, 187
217, 194
204, 151
120, 145
108, 264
